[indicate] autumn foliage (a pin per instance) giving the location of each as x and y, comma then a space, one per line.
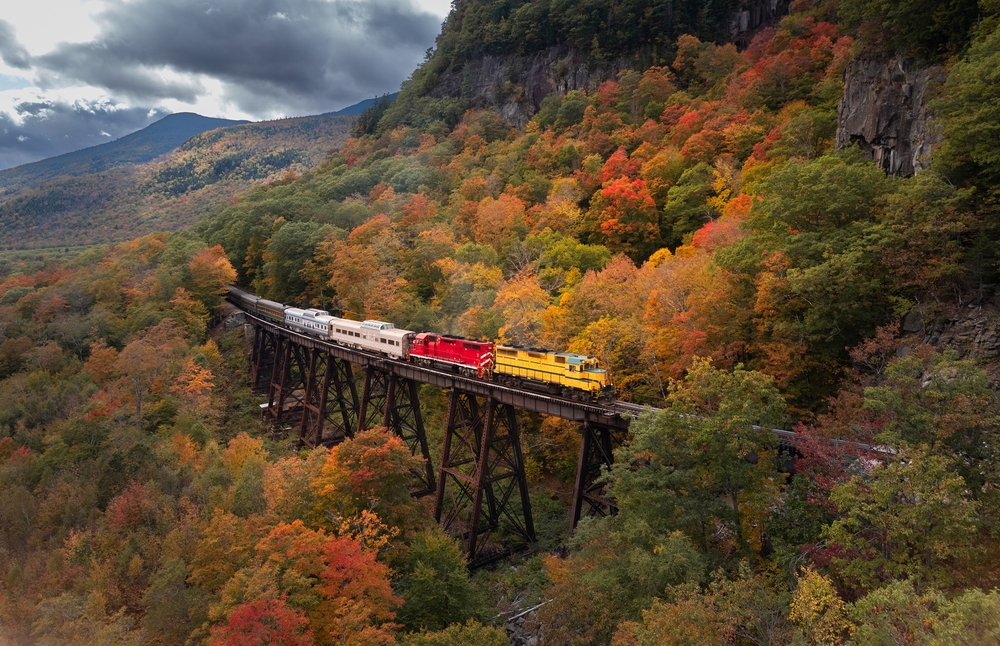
688, 223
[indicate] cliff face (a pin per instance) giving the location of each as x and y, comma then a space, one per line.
973, 330
515, 85
884, 111
751, 17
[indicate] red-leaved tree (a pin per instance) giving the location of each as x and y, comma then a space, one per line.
264, 622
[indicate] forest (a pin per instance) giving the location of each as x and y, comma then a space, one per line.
689, 223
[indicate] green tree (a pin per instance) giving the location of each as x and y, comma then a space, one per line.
471, 632
291, 245
969, 110
248, 490
748, 608
615, 571
929, 29
899, 613
686, 208
435, 585
707, 460
816, 257
168, 603
947, 403
70, 619
912, 518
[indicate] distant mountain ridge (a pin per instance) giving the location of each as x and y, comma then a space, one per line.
121, 199
138, 147
360, 106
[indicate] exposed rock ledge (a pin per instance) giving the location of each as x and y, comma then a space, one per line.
973, 330
884, 111
515, 85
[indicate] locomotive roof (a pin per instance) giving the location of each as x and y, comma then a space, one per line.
571, 357
453, 337
543, 350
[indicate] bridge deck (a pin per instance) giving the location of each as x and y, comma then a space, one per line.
617, 414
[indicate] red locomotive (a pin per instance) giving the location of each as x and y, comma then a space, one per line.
465, 356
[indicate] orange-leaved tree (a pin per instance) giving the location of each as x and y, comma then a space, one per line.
144, 360
211, 271
521, 301
498, 221
369, 472
355, 606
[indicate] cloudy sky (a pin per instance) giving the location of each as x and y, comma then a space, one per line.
76, 73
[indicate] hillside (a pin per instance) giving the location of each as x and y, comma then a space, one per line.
137, 148
509, 55
125, 199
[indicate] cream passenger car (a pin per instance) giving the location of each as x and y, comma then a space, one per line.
377, 336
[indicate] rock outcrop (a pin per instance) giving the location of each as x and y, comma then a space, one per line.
747, 21
884, 111
515, 85
972, 330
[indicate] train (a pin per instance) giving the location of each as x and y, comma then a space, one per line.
564, 374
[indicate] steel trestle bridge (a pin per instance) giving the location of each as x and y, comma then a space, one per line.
312, 389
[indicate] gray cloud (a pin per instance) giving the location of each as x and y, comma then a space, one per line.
272, 57
12, 52
290, 56
45, 129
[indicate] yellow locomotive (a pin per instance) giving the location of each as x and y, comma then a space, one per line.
566, 374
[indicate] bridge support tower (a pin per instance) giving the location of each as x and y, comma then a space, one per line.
597, 445
286, 393
262, 359
393, 402
330, 406
482, 460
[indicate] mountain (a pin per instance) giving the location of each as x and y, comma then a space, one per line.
361, 106
139, 147
126, 190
